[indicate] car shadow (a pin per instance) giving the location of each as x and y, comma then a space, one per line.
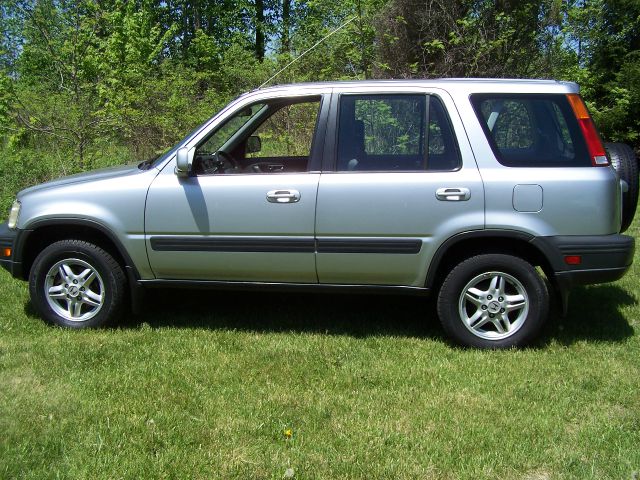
595, 314
333, 314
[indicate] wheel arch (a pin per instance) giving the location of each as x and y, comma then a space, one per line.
468, 244
40, 234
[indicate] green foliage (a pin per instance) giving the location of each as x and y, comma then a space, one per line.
604, 36
6, 99
76, 76
461, 38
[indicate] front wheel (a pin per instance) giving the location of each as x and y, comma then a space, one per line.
493, 301
76, 284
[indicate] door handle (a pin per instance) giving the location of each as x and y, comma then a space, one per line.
453, 194
283, 196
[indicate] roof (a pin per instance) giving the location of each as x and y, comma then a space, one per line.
507, 85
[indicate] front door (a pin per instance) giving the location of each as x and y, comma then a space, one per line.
247, 212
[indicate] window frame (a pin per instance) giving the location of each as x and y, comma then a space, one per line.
575, 133
330, 160
317, 142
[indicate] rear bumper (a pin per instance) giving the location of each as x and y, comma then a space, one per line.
8, 240
604, 258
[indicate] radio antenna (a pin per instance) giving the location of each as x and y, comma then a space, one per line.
335, 30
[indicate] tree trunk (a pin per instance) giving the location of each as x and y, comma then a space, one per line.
286, 25
260, 30
364, 63
197, 23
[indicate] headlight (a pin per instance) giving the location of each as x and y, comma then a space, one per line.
14, 214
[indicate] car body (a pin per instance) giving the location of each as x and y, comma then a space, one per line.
409, 186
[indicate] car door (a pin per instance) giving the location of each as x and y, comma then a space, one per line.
247, 210
399, 178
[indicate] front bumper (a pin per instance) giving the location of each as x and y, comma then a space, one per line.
8, 240
604, 258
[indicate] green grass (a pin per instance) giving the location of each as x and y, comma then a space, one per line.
204, 385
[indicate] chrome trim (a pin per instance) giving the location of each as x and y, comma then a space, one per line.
283, 196
453, 194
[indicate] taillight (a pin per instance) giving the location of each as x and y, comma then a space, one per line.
597, 152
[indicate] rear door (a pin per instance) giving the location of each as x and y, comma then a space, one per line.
399, 178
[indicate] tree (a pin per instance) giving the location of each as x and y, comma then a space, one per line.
59, 73
603, 55
457, 38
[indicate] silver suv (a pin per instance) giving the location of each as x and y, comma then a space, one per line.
486, 193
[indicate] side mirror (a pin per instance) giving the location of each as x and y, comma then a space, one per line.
184, 158
254, 144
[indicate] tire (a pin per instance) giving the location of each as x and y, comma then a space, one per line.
624, 162
76, 284
507, 287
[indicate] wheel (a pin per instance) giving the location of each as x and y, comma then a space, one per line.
493, 301
76, 284
624, 162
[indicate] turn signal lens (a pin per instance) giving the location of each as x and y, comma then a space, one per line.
597, 152
6, 252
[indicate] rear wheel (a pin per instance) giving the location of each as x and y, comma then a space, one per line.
493, 301
624, 161
77, 284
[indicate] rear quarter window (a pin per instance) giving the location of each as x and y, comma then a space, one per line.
531, 130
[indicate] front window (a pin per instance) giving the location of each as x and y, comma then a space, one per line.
269, 137
229, 128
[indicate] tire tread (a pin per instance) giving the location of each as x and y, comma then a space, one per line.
447, 300
113, 310
624, 161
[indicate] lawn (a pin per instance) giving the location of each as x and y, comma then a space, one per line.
205, 385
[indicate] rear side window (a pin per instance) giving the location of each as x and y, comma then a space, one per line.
532, 130
395, 132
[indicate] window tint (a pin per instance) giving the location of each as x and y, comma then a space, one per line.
532, 130
513, 127
564, 128
388, 133
391, 125
443, 153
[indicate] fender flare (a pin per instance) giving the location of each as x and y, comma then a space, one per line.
452, 241
22, 239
